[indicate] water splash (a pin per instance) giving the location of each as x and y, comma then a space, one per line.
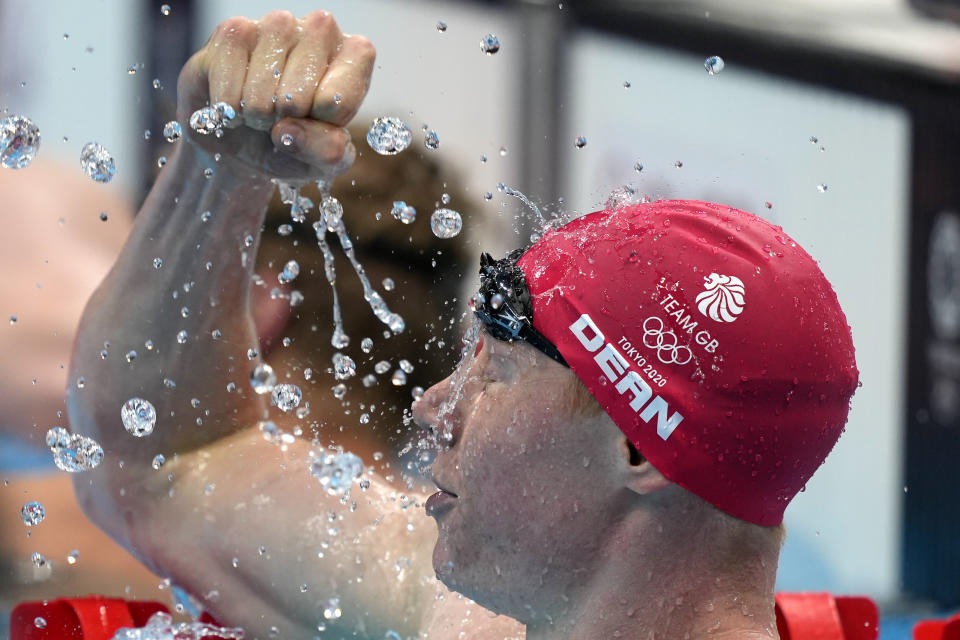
510, 191
138, 416
32, 513
97, 163
336, 471
714, 65
73, 452
459, 378
160, 626
389, 136
19, 142
379, 307
490, 44
286, 396
446, 223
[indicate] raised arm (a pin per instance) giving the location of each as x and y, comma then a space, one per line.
234, 520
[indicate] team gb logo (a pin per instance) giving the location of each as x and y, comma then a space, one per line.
722, 299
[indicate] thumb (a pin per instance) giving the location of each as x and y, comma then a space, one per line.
318, 144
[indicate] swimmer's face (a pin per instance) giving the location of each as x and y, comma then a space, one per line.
530, 487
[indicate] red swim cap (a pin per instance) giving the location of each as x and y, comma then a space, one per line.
711, 339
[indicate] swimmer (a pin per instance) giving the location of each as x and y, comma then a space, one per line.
652, 387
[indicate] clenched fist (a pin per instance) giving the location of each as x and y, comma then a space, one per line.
294, 84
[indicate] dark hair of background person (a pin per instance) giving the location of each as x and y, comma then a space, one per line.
428, 277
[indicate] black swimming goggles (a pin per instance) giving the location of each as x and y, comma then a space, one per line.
504, 306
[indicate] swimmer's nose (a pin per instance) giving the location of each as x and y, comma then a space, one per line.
427, 408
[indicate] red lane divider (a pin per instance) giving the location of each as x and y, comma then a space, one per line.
938, 629
87, 618
820, 616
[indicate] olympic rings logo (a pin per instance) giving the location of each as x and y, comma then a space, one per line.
665, 342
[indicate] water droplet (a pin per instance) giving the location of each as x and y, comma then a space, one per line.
343, 366
441, 26
158, 462
714, 65
503, 152
364, 418
332, 212
146, 134
262, 378
19, 142
156, 83
252, 353
337, 98
822, 188
768, 205
389, 136
182, 336
290, 271
626, 84
32, 513
40, 623
81, 382
369, 380
157, 263
165, 9
403, 212
814, 140
138, 416
431, 140
399, 378
638, 167
388, 284
131, 355
336, 471
286, 396
286, 140
416, 393
580, 142
490, 44
73, 557
103, 216
172, 131
285, 229
496, 301
304, 588
382, 367
97, 162
73, 452
445, 223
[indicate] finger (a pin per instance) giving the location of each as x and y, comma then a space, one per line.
206, 72
277, 32
307, 63
318, 144
228, 53
344, 86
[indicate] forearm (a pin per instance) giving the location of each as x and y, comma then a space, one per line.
263, 544
206, 269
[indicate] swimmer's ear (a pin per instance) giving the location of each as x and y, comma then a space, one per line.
641, 476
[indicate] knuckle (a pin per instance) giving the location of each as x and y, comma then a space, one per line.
280, 20
235, 28
319, 20
364, 47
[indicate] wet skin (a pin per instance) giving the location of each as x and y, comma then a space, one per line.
524, 483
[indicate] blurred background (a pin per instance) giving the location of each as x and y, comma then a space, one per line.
838, 119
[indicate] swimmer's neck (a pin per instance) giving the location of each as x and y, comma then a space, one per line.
687, 589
